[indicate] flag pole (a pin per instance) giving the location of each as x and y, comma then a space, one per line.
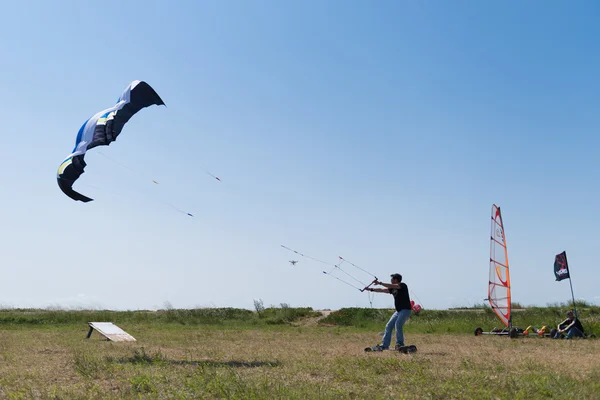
572, 295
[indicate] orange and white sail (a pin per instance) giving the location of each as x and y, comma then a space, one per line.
499, 283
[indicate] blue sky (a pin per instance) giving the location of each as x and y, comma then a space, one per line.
379, 131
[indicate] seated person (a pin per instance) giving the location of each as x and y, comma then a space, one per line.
572, 326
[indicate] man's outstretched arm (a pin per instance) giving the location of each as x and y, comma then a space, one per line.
378, 290
388, 285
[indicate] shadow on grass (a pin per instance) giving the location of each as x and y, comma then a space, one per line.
233, 363
141, 357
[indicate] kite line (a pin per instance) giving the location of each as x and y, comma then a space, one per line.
337, 266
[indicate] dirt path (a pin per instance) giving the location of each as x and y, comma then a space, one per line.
313, 321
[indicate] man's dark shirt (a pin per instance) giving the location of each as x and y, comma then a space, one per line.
401, 297
578, 325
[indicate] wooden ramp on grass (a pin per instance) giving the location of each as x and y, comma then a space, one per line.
110, 331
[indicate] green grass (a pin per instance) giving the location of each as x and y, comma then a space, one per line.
285, 353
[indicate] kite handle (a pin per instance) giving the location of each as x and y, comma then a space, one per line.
375, 280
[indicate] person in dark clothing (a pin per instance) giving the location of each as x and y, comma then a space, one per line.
399, 290
572, 326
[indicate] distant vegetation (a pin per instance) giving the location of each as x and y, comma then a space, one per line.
519, 306
281, 315
465, 320
458, 320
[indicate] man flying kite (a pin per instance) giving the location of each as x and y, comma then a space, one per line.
403, 306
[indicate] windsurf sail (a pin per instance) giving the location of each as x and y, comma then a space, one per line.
499, 283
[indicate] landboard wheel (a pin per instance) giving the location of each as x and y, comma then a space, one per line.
368, 349
478, 331
408, 349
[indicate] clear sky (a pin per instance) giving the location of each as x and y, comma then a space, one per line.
379, 131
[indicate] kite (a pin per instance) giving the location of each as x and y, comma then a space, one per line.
101, 130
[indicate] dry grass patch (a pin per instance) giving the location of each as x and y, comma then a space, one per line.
290, 362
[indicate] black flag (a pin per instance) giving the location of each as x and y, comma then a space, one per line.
561, 267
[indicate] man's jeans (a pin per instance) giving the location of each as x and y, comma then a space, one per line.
571, 332
396, 321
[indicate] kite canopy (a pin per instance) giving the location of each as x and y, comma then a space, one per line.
101, 130
499, 283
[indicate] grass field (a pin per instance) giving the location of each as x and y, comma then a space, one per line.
290, 353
